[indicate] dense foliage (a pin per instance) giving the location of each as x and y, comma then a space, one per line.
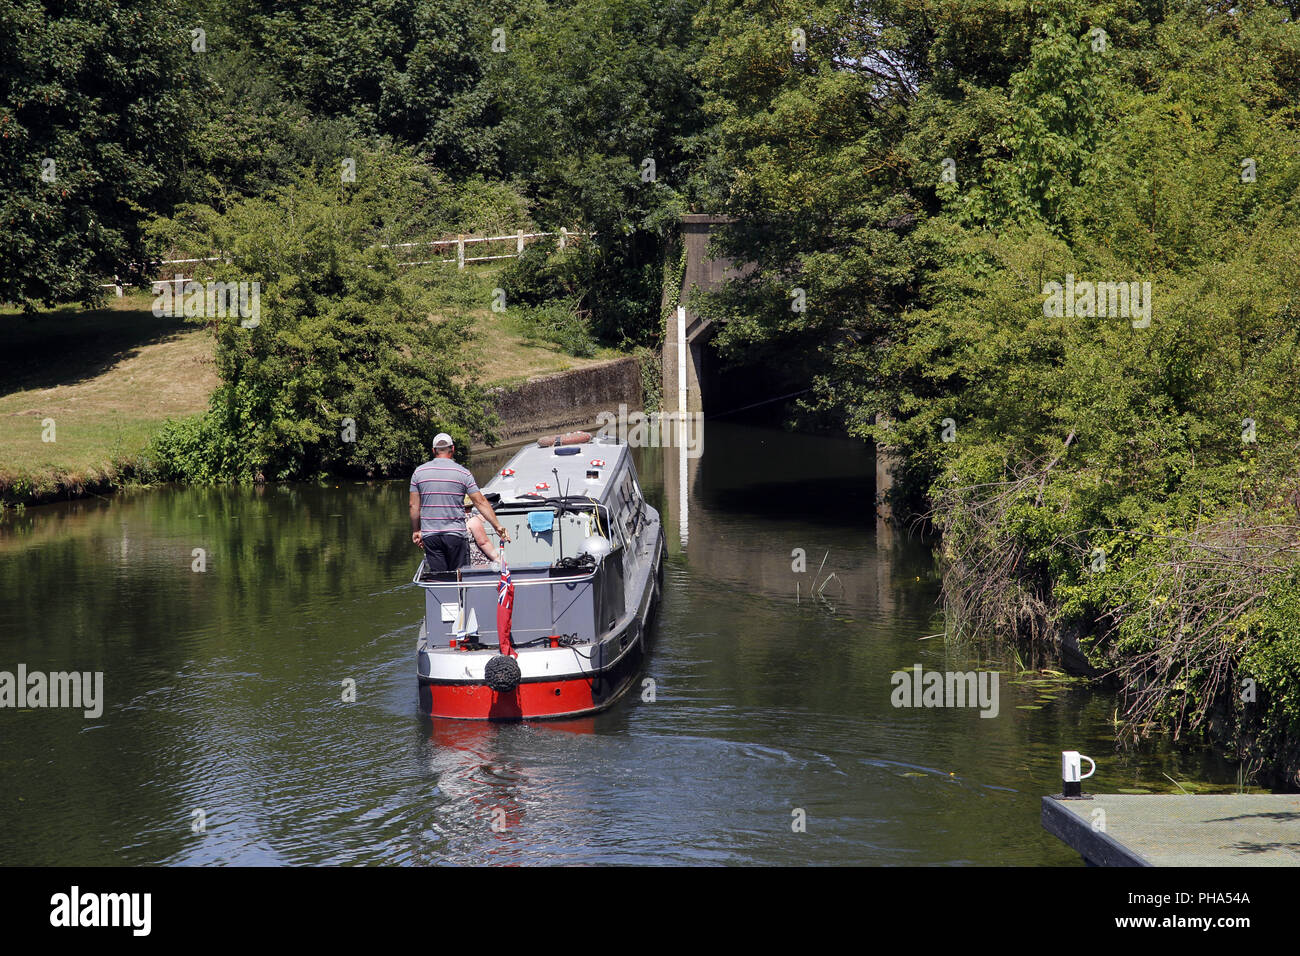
97, 99
1124, 471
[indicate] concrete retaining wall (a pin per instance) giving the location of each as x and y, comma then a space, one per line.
567, 399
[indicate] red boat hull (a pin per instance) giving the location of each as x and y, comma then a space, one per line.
532, 700
561, 698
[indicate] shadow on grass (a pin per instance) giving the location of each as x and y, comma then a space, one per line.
70, 345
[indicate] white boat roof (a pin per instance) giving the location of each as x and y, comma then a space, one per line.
533, 465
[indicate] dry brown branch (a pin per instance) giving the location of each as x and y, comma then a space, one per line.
1213, 578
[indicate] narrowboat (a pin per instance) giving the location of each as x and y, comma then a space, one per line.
585, 563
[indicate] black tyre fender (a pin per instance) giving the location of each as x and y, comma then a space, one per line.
502, 674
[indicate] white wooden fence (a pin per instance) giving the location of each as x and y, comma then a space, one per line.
520, 238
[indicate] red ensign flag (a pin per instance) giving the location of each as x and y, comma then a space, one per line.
505, 608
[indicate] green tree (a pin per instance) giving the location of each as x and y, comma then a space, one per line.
598, 112
97, 102
408, 70
345, 368
810, 104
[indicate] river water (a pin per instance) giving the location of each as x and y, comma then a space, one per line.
227, 621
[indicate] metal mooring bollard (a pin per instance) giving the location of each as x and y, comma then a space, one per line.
1071, 778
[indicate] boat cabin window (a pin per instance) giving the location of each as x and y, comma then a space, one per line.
627, 505
543, 540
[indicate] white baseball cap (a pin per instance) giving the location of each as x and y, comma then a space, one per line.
442, 440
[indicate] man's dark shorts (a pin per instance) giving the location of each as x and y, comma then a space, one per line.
445, 552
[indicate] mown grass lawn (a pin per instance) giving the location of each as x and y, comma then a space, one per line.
508, 358
97, 382
108, 377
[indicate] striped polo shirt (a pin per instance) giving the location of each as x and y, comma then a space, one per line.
442, 485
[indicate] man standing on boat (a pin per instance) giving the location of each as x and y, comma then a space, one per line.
438, 490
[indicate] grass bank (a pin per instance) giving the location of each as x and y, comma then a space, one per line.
82, 392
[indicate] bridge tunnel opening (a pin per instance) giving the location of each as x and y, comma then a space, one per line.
764, 391
755, 391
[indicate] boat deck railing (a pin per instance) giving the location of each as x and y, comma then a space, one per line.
488, 578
